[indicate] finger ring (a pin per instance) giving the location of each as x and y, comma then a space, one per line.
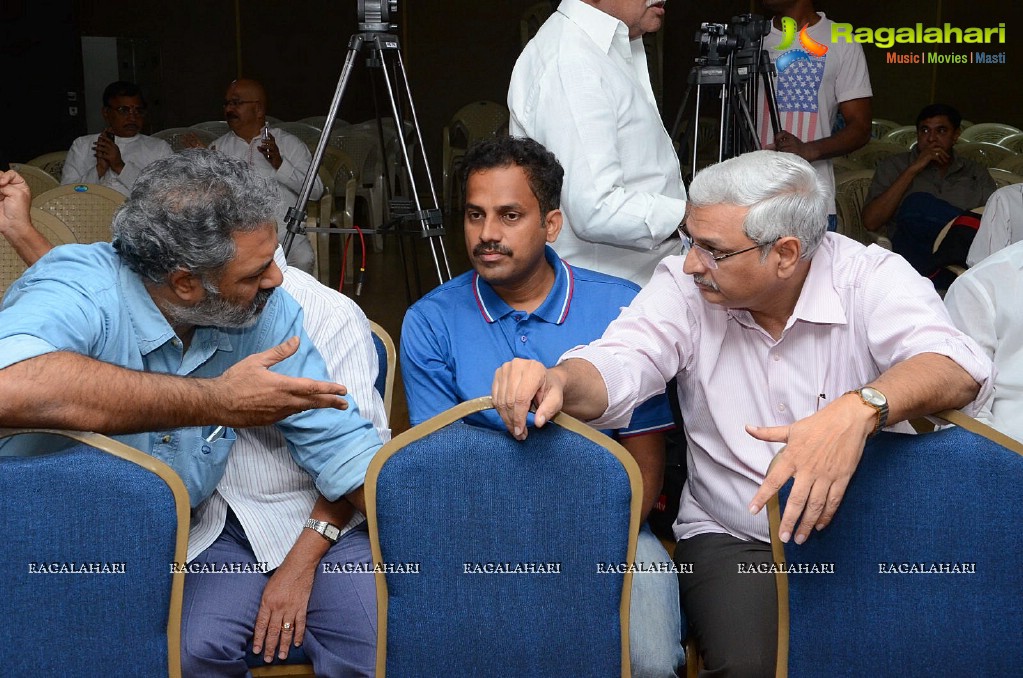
286, 626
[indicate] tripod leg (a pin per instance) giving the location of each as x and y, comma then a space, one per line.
436, 241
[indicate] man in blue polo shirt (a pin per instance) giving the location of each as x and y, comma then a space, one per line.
522, 301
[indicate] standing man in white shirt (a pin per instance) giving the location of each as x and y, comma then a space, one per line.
114, 157
1001, 225
582, 89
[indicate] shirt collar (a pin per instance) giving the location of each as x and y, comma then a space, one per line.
280, 260
604, 30
554, 308
819, 301
151, 327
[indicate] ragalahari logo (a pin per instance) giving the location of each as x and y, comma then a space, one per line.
811, 48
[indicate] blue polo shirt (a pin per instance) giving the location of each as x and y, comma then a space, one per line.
83, 299
455, 337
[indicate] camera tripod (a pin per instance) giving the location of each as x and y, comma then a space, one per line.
736, 77
409, 216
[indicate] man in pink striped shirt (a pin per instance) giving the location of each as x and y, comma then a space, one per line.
788, 343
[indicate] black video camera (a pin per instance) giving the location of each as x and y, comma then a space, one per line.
744, 33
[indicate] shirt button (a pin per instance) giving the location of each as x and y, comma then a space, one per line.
166, 439
206, 449
523, 338
176, 342
781, 407
776, 357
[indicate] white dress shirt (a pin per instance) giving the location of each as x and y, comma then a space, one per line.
984, 302
861, 311
1001, 224
136, 152
271, 494
295, 160
581, 88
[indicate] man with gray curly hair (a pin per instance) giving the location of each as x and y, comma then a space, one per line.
174, 333
788, 344
256, 515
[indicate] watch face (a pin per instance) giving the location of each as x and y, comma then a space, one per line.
873, 396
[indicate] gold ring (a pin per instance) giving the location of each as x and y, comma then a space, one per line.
286, 626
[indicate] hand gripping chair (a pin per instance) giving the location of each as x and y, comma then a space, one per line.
925, 550
502, 544
91, 535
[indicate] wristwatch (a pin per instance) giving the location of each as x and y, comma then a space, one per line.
329, 532
874, 398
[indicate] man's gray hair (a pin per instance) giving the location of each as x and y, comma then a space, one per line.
184, 209
784, 195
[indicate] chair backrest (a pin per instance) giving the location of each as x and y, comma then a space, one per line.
477, 120
850, 193
991, 132
879, 127
364, 149
904, 136
38, 179
843, 164
876, 151
1013, 163
51, 228
387, 359
502, 544
982, 152
309, 134
175, 136
217, 127
92, 533
86, 209
1004, 177
52, 163
917, 573
1014, 142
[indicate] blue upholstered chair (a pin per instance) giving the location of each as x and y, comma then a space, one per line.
501, 543
91, 533
387, 358
925, 551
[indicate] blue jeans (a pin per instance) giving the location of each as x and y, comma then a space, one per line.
655, 623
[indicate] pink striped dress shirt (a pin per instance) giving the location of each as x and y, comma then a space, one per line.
861, 310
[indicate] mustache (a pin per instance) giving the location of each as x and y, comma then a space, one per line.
490, 248
706, 282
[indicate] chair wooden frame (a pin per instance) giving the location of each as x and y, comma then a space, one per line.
451, 416
183, 511
380, 334
956, 417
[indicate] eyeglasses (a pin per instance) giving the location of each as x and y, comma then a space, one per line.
235, 103
708, 258
129, 110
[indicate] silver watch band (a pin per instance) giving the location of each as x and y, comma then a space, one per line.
330, 532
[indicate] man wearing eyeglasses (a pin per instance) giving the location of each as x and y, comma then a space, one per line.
276, 153
115, 156
789, 345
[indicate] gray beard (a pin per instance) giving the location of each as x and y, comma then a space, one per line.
216, 311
